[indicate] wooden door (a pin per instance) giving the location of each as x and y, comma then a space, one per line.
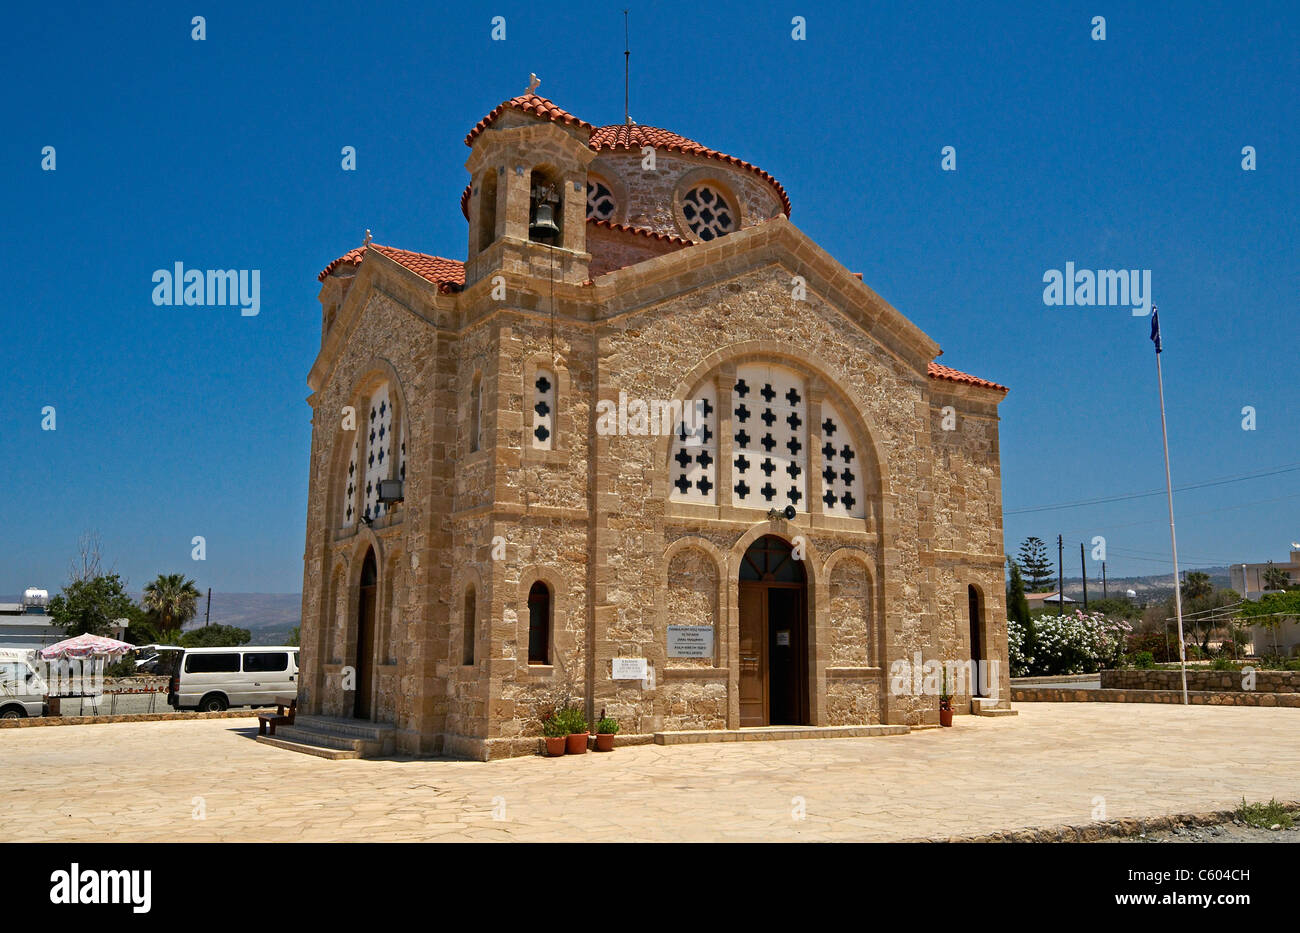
787, 660
753, 655
365, 638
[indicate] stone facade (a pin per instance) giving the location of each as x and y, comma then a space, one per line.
532, 546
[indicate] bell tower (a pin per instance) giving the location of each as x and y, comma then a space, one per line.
528, 195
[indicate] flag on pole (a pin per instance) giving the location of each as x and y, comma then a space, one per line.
1155, 327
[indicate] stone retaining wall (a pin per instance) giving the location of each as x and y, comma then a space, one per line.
1199, 698
1212, 681
32, 722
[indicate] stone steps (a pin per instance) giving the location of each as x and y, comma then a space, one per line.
317, 750
775, 734
983, 706
329, 737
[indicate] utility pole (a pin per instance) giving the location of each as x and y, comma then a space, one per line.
1060, 577
1103, 581
207, 615
1083, 567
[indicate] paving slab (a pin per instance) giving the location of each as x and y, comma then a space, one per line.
1054, 764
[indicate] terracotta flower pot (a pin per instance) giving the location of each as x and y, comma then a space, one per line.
604, 741
555, 745
577, 743
945, 717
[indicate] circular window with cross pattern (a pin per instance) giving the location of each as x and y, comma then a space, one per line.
707, 213
600, 200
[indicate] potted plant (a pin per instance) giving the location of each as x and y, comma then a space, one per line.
606, 729
945, 702
554, 731
575, 725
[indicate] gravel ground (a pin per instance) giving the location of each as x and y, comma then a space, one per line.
1226, 832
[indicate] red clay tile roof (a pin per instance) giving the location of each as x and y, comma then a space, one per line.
954, 375
621, 136
528, 103
640, 231
447, 274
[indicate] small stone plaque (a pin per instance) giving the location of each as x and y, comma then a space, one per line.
628, 669
690, 641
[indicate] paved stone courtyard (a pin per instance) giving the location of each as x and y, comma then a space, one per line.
140, 781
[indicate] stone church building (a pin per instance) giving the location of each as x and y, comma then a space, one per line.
648, 448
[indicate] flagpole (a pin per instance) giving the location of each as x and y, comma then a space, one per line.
1169, 490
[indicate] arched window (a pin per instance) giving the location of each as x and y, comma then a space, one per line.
476, 413
544, 410
350, 485
487, 210
470, 632
539, 624
379, 448
694, 462
546, 207
841, 469
769, 451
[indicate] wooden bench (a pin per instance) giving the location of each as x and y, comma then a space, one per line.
285, 708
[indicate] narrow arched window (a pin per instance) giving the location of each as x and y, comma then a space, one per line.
471, 609
476, 413
487, 210
544, 410
539, 624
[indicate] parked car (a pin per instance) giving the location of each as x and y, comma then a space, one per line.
22, 689
213, 679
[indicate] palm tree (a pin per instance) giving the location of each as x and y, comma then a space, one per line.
171, 600
1275, 578
1196, 585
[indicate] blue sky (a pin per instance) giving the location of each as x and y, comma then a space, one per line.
176, 422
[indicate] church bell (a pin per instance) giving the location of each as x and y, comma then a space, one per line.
543, 226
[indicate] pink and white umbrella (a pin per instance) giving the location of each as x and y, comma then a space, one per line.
86, 646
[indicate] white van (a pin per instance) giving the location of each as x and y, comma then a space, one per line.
213, 679
22, 689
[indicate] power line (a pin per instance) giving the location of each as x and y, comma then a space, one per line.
1148, 521
1222, 481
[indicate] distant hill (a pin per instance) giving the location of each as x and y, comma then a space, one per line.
1152, 588
268, 616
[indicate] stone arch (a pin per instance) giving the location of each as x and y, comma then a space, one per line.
564, 648
854, 628
471, 580
693, 592
374, 373
333, 619
392, 593
977, 634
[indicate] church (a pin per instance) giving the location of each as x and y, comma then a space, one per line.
812, 500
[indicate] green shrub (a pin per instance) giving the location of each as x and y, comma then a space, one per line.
1222, 664
571, 719
1143, 660
1264, 815
553, 726
1153, 642
607, 726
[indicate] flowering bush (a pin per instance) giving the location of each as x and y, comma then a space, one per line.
1074, 643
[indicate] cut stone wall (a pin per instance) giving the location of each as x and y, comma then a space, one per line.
1229, 681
